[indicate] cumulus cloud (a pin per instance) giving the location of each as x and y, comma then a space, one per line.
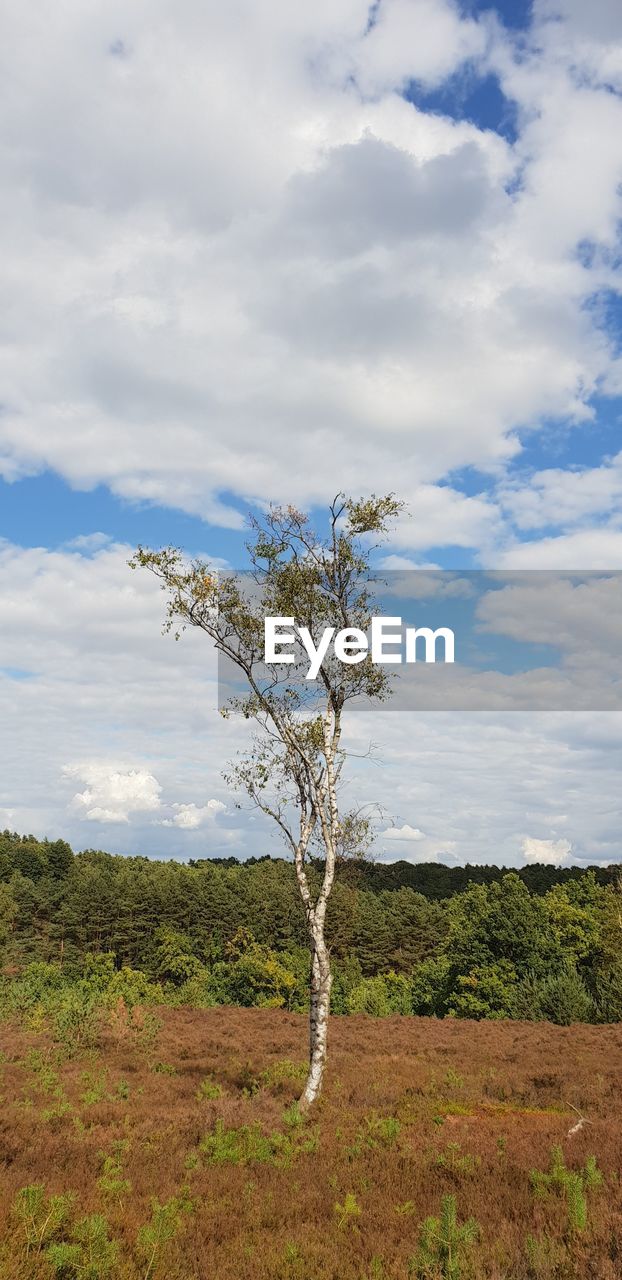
599, 548
89, 542
405, 832
267, 234
112, 794
559, 496
552, 853
370, 193
426, 848
440, 516
589, 36
190, 816
394, 51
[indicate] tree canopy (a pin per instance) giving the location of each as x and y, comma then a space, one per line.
535, 943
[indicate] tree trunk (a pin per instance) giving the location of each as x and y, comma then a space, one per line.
321, 983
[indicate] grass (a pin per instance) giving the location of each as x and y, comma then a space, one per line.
111, 1167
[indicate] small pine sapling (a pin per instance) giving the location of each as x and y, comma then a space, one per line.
443, 1244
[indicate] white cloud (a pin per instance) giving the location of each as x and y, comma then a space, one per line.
404, 832
190, 816
582, 617
439, 516
423, 40
398, 563
590, 37
599, 548
600, 23
89, 542
426, 848
561, 497
211, 243
552, 853
113, 794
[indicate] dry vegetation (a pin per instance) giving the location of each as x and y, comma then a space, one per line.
414, 1110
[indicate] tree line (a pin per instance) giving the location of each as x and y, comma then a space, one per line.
539, 943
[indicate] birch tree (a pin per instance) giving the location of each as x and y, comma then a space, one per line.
294, 769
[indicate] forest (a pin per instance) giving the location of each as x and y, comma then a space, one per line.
476, 942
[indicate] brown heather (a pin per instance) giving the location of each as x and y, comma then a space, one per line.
479, 1106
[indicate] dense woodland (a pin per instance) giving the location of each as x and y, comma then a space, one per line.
475, 942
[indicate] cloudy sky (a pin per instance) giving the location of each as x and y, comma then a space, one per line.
262, 252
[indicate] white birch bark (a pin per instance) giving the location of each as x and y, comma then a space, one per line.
321, 975
321, 982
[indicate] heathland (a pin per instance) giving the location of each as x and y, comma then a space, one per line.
149, 1144
154, 1045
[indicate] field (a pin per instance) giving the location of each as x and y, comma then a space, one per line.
195, 1110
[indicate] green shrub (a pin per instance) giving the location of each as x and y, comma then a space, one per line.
283, 1070
103, 981
37, 982
545, 1256
443, 1244
88, 1255
377, 1131
134, 988
205, 990
371, 997
527, 999
347, 1213
208, 1090
486, 991
164, 1224
95, 1087
430, 987
398, 992
565, 1000
258, 978
454, 1161
576, 1203
248, 1145
175, 960
608, 993
293, 1117
381, 996
76, 1019
40, 1218
592, 1176
98, 971
47, 1083
347, 974
573, 1185
111, 1181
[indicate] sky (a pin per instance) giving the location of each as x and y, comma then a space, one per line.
262, 253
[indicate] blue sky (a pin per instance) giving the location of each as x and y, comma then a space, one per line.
359, 249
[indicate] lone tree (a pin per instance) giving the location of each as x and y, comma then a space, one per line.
294, 769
